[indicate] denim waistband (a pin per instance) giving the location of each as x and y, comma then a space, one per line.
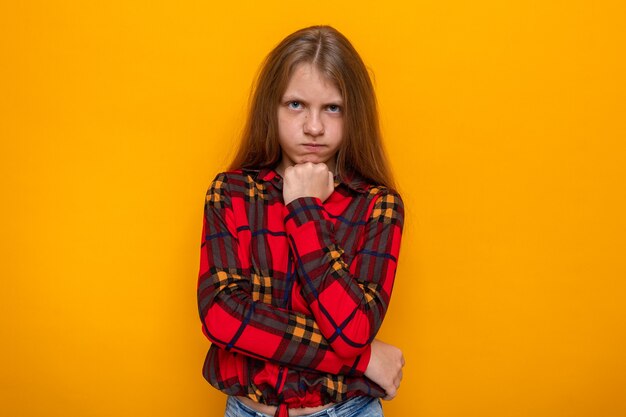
344, 408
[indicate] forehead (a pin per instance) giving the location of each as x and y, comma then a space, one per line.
307, 79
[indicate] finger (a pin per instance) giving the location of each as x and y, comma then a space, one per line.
402, 360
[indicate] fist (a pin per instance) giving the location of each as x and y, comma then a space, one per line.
307, 180
385, 367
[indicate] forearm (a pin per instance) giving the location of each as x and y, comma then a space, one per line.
348, 301
233, 321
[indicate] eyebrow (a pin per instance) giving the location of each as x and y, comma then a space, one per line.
295, 97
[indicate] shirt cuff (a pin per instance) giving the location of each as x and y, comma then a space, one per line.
364, 360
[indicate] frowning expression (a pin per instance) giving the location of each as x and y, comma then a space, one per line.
310, 119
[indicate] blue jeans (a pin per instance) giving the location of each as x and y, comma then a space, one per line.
354, 407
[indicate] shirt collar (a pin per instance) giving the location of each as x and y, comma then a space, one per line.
351, 180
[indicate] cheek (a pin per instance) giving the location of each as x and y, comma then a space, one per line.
338, 131
285, 122
285, 133
283, 129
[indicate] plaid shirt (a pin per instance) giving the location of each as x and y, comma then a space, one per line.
292, 296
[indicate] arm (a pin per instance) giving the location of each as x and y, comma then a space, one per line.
235, 322
348, 302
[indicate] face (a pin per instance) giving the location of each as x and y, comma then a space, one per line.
310, 119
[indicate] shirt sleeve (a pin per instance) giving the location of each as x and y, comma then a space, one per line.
235, 322
348, 302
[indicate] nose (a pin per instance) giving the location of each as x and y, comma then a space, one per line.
313, 124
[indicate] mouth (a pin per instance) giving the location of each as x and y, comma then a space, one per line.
313, 147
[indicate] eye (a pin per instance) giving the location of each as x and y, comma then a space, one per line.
333, 108
295, 105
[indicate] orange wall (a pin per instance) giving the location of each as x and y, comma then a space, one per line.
505, 122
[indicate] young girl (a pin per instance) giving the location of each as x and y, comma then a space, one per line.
300, 243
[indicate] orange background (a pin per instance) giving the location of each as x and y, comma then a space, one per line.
505, 124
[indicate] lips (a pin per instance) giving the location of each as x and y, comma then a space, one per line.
313, 146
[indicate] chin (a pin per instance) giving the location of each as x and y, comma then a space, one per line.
313, 160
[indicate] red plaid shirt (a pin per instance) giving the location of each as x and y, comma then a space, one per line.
292, 296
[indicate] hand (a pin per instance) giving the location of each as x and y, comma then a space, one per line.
307, 180
385, 367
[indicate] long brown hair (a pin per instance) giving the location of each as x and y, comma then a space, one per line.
361, 149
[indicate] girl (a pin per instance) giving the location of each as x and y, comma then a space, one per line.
300, 243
